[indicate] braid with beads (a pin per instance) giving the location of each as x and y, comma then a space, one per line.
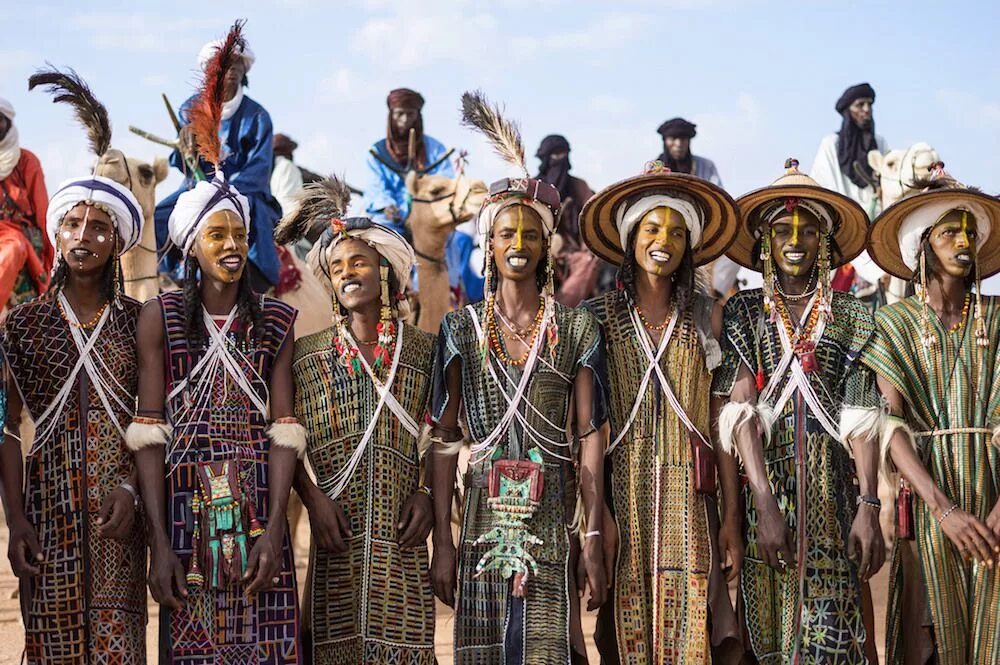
248, 306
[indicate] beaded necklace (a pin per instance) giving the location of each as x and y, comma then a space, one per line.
496, 342
93, 321
654, 327
801, 338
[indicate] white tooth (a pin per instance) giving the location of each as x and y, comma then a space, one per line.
351, 288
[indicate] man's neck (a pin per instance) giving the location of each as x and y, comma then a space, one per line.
946, 293
363, 321
654, 294
518, 300
217, 297
84, 293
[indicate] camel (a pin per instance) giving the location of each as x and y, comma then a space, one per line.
438, 205
896, 171
139, 266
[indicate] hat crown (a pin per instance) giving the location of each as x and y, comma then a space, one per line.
792, 176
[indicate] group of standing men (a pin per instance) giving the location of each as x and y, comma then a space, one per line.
607, 441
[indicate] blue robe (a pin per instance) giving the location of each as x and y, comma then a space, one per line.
248, 160
387, 187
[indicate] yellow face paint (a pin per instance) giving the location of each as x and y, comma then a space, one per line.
965, 226
519, 233
795, 228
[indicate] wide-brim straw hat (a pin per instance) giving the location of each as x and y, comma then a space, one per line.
850, 222
884, 242
599, 217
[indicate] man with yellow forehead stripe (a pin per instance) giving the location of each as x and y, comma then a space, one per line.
669, 598
800, 407
526, 371
935, 354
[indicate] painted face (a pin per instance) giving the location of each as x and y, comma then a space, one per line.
404, 119
660, 241
234, 79
354, 272
861, 112
86, 238
677, 147
518, 242
953, 241
795, 242
222, 247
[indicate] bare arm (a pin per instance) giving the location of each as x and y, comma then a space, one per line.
443, 571
24, 551
591, 480
150, 461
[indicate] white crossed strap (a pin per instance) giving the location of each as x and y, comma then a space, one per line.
483, 449
653, 366
798, 380
385, 398
97, 371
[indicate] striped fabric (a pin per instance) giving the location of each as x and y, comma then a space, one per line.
955, 384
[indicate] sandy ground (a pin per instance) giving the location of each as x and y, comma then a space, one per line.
12, 635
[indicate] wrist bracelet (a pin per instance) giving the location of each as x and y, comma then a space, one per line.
424, 489
592, 534
945, 514
872, 501
127, 486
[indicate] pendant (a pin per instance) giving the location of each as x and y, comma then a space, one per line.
806, 352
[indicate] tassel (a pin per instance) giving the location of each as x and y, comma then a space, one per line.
256, 530
194, 576
759, 379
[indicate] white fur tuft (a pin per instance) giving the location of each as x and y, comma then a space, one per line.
142, 435
859, 423
735, 415
288, 435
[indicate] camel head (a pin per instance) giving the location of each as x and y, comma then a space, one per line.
898, 169
438, 205
140, 177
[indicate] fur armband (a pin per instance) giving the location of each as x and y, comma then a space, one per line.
859, 423
892, 423
143, 433
288, 433
995, 439
735, 415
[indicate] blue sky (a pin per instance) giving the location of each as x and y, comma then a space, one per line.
759, 78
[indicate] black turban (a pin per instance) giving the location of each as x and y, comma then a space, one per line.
854, 93
550, 144
677, 128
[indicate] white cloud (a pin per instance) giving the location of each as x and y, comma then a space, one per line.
145, 33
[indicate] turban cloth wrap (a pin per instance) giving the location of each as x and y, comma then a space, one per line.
912, 230
853, 94
404, 98
629, 214
209, 49
111, 197
7, 108
677, 128
195, 206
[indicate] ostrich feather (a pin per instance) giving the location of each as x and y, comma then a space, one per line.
205, 114
480, 114
317, 202
68, 87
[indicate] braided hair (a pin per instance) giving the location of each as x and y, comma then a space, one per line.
934, 268
248, 306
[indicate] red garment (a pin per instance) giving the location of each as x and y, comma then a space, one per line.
843, 278
23, 202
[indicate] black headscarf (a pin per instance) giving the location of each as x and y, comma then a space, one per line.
677, 128
854, 143
556, 173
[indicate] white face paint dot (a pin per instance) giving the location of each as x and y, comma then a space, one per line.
67, 235
101, 239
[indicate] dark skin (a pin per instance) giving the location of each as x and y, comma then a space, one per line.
861, 112
518, 245
678, 147
952, 241
166, 574
661, 239
354, 272
794, 248
86, 240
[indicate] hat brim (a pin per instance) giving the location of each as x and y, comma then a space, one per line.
850, 218
599, 226
883, 236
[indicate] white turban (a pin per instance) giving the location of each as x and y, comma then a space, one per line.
630, 214
111, 197
489, 214
195, 206
389, 244
209, 49
6, 108
926, 216
779, 209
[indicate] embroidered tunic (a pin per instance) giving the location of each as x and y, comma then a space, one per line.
954, 385
89, 603
491, 626
373, 603
659, 608
224, 626
812, 611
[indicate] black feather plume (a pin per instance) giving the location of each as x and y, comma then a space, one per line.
68, 87
317, 203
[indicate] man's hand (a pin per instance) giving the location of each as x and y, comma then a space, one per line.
391, 213
166, 576
264, 562
328, 522
117, 514
597, 577
865, 545
609, 536
23, 550
775, 540
993, 520
731, 549
444, 572
415, 521
971, 537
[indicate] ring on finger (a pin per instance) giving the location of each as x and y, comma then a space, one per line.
275, 580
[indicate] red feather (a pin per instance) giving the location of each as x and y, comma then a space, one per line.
205, 114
